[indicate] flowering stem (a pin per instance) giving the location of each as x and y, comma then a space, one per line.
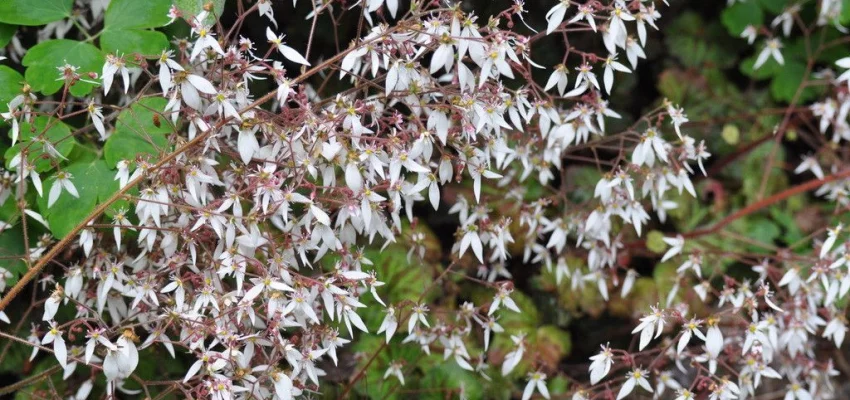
101, 208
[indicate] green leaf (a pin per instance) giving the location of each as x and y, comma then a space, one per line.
788, 80
125, 27
135, 132
557, 342
44, 58
844, 18
12, 244
774, 6
6, 33
697, 43
38, 12
95, 184
128, 14
767, 70
737, 17
58, 134
10, 85
762, 230
655, 242
127, 41
191, 8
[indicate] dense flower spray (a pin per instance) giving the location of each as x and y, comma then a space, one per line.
240, 240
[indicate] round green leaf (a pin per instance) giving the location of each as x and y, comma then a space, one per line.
787, 80
44, 58
741, 14
10, 85
136, 133
94, 182
128, 41
128, 14
39, 12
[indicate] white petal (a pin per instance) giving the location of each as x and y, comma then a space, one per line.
292, 55
201, 84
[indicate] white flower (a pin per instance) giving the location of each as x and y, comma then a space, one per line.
835, 330
558, 78
771, 49
844, 63
97, 119
601, 364
676, 244
395, 370
288, 52
556, 15
677, 117
749, 33
283, 387
611, 64
417, 316
832, 235
54, 335
51, 305
264, 8
63, 180
166, 65
205, 38
513, 358
10, 116
536, 380
688, 330
796, 392
713, 340
684, 394
389, 324
113, 66
653, 322
636, 377
503, 297
585, 11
